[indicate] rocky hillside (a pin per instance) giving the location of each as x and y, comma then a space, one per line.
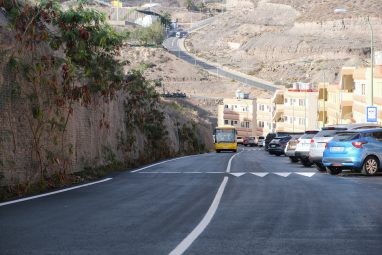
285, 41
60, 113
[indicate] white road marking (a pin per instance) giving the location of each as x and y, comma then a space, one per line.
237, 174
140, 169
260, 174
192, 172
283, 174
183, 246
214, 172
54, 192
230, 161
191, 237
307, 174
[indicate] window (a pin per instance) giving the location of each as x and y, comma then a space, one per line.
232, 122
225, 122
378, 136
247, 124
286, 100
363, 89
226, 106
301, 121
301, 102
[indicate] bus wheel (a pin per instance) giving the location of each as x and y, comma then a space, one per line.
218, 151
234, 151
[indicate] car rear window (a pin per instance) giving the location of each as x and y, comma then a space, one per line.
329, 132
308, 136
346, 136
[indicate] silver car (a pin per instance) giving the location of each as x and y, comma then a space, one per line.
318, 143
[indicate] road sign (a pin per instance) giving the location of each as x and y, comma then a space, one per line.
371, 114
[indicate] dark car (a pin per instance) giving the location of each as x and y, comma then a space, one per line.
278, 144
271, 136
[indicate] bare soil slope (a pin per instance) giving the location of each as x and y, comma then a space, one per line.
285, 41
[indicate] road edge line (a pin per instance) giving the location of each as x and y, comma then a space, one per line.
53, 192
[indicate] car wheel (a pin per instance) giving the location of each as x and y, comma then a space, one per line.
320, 167
306, 163
293, 159
278, 154
370, 166
332, 170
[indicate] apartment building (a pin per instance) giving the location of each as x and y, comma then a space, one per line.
296, 109
363, 94
239, 112
264, 116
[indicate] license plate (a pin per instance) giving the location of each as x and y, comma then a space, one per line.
336, 149
321, 145
306, 145
273, 146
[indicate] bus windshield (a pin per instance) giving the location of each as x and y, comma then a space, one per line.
225, 135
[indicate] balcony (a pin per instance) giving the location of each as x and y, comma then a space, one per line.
346, 99
231, 115
279, 111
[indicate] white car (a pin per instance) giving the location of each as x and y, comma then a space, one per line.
303, 147
240, 140
320, 140
260, 141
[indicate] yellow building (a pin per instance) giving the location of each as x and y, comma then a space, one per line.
296, 110
264, 116
239, 112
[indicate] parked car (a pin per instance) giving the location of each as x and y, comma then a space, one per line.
245, 141
359, 150
239, 140
260, 141
320, 140
303, 148
271, 136
252, 141
291, 148
278, 144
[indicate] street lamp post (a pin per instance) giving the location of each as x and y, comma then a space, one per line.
372, 60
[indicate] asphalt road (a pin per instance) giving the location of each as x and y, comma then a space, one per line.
264, 205
172, 45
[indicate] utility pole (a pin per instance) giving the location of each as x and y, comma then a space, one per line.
372, 60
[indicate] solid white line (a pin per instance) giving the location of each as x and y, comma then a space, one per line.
140, 169
192, 172
191, 237
214, 172
54, 192
230, 161
183, 246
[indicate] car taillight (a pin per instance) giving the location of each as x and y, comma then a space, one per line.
311, 140
358, 145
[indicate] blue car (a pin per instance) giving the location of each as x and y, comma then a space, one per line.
358, 150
